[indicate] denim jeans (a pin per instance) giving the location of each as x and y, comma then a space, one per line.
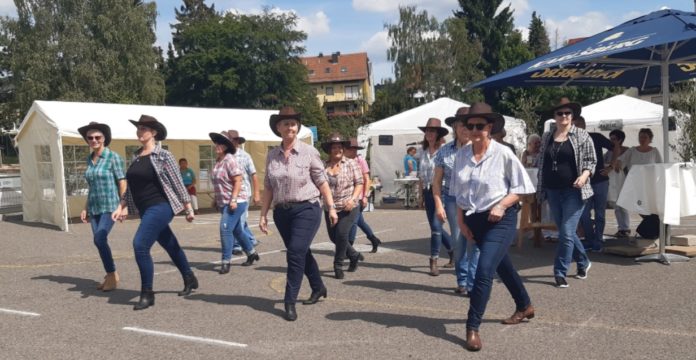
247, 230
466, 254
494, 240
362, 224
338, 234
101, 226
231, 229
154, 226
297, 226
623, 218
598, 203
566, 208
437, 233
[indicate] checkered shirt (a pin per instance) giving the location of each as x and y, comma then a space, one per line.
348, 176
296, 178
103, 178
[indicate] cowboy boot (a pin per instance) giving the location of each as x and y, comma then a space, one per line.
111, 281
473, 341
147, 299
434, 271
519, 316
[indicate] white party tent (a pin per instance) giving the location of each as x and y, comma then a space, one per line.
53, 155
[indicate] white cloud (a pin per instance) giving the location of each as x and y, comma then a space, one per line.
7, 8
519, 7
438, 8
584, 25
313, 25
376, 46
524, 31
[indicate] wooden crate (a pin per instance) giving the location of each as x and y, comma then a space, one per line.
689, 251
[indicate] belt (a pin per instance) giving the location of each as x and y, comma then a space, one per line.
290, 205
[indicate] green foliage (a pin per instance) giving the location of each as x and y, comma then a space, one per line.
538, 39
80, 50
391, 98
684, 100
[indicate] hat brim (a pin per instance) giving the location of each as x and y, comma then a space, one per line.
496, 119
221, 139
326, 146
273, 121
241, 140
577, 109
441, 132
161, 130
450, 120
103, 128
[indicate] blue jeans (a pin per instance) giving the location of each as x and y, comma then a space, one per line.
231, 229
297, 226
494, 240
101, 226
566, 208
362, 224
466, 254
437, 233
154, 226
598, 202
247, 230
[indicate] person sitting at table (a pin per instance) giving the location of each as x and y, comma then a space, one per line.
529, 155
623, 219
410, 163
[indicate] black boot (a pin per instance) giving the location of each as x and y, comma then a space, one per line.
354, 262
251, 258
225, 268
290, 313
315, 297
376, 242
147, 299
339, 273
190, 283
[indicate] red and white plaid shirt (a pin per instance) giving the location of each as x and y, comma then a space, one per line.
342, 187
296, 178
223, 172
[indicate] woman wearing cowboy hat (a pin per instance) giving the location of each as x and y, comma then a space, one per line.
157, 191
487, 181
107, 183
345, 181
295, 179
434, 132
231, 198
566, 161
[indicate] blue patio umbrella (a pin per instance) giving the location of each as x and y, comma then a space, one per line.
646, 52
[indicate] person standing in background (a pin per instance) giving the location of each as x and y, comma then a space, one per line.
190, 182
245, 162
410, 163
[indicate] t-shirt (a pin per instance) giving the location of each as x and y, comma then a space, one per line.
633, 156
565, 172
144, 184
414, 163
188, 175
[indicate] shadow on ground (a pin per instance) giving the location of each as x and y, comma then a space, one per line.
88, 288
256, 303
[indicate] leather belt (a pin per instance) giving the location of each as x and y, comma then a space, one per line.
290, 205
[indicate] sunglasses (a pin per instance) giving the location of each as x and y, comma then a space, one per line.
564, 113
478, 127
97, 138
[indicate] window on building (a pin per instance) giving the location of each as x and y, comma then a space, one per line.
206, 160
330, 110
311, 72
387, 140
352, 92
344, 69
329, 90
75, 165
327, 70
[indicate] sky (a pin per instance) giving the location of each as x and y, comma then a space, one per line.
358, 25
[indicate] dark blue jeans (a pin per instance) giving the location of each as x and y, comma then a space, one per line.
437, 232
598, 203
297, 226
101, 226
360, 222
154, 226
494, 240
338, 234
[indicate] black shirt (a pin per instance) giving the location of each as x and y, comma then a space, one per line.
144, 184
565, 172
600, 142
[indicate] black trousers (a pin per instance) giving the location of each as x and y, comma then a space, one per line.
340, 233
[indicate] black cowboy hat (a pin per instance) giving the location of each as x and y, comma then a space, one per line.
103, 128
483, 110
286, 112
152, 123
461, 111
435, 123
334, 138
224, 138
565, 103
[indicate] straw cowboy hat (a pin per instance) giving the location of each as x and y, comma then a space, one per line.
435, 123
354, 144
286, 112
566, 103
103, 128
224, 138
483, 110
152, 123
234, 134
334, 138
461, 111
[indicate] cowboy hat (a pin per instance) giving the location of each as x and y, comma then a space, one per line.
286, 112
152, 123
334, 138
566, 103
354, 144
461, 111
435, 123
234, 134
103, 128
224, 138
483, 110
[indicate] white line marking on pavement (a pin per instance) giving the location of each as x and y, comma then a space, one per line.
185, 337
17, 312
582, 325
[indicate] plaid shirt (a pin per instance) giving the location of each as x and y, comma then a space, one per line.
426, 167
445, 159
223, 172
296, 178
248, 169
348, 176
103, 178
169, 176
585, 158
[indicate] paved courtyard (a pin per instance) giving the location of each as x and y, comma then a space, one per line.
390, 308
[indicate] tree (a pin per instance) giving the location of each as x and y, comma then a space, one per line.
684, 100
81, 50
538, 39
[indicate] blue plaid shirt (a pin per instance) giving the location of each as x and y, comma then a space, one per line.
445, 159
248, 169
102, 179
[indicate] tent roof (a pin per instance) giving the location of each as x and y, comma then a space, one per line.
622, 107
183, 123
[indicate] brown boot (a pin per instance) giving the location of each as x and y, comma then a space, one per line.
111, 281
473, 341
434, 271
518, 316
450, 264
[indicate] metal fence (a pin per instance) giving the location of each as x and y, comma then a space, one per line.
10, 194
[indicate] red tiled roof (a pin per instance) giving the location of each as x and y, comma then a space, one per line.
356, 67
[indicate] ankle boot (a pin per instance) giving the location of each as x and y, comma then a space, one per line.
290, 313
473, 341
251, 258
434, 271
147, 299
339, 273
190, 283
224, 268
450, 264
354, 262
376, 242
111, 281
315, 296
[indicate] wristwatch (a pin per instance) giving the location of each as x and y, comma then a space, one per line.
234, 200
189, 211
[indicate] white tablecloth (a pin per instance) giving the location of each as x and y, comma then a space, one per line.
668, 190
532, 172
